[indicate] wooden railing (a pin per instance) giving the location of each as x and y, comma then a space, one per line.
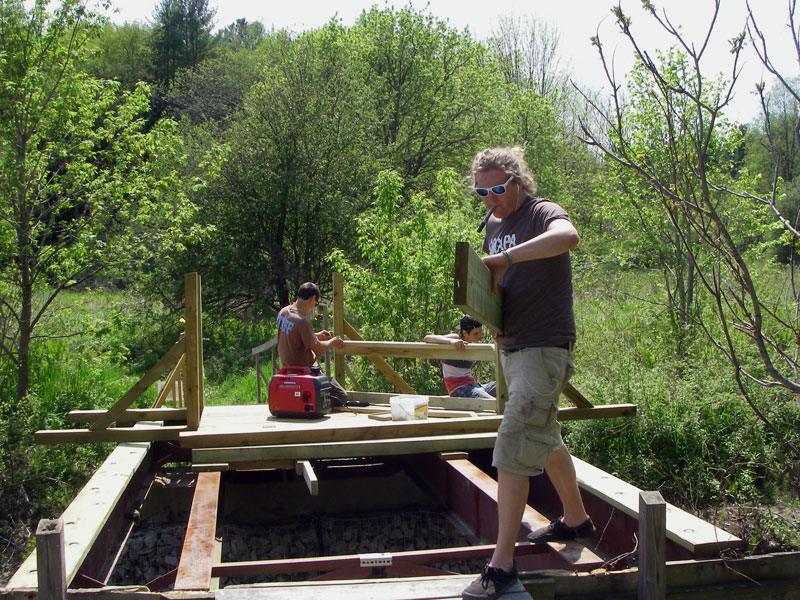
184, 383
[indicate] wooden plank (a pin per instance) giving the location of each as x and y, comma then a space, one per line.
574, 396
352, 377
384, 367
130, 415
169, 383
265, 346
193, 391
86, 515
690, 532
167, 361
305, 469
750, 577
346, 449
408, 588
112, 434
603, 411
447, 402
197, 556
652, 546
52, 577
419, 350
472, 289
356, 430
338, 324
501, 389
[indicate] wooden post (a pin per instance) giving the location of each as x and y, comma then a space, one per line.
50, 563
327, 352
338, 325
652, 546
500, 390
194, 351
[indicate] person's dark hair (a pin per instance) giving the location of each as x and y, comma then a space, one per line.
307, 290
509, 160
468, 324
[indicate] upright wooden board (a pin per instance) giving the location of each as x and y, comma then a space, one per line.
472, 289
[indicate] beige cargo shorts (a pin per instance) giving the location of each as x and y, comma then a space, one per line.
530, 430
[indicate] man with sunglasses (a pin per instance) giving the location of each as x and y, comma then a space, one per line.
528, 240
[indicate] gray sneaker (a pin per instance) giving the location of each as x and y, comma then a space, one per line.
490, 584
557, 531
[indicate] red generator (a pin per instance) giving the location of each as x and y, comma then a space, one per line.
299, 392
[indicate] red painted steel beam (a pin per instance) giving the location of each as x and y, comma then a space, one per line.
197, 556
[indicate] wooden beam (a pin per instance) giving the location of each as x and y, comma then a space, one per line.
383, 366
112, 434
652, 546
604, 411
419, 350
472, 289
52, 577
352, 377
265, 346
574, 396
346, 449
197, 556
690, 532
130, 415
305, 469
169, 383
447, 402
361, 431
87, 514
338, 325
194, 350
167, 361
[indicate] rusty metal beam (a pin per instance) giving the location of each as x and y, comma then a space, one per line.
197, 556
472, 495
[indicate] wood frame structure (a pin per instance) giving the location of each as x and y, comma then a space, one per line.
184, 383
448, 456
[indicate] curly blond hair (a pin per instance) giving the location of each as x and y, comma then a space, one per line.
511, 160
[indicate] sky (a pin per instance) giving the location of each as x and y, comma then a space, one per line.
574, 20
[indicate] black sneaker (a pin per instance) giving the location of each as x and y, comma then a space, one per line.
491, 583
557, 531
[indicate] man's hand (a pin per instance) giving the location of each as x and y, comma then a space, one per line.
497, 265
336, 342
324, 335
459, 344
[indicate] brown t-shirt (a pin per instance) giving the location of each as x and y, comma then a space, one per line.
296, 337
537, 294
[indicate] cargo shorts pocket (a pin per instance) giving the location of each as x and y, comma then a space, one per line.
536, 446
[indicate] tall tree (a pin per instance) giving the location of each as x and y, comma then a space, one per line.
182, 36
77, 185
431, 94
294, 176
241, 35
